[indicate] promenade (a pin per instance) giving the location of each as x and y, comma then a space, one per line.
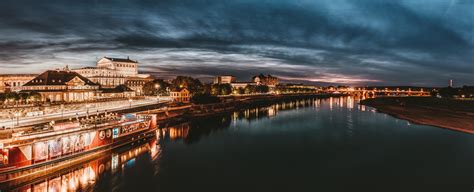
66, 114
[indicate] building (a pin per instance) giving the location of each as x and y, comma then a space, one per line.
14, 82
136, 83
224, 79
112, 72
120, 91
107, 78
62, 86
242, 85
125, 67
180, 95
267, 80
300, 86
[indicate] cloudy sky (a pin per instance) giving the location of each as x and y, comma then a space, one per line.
356, 42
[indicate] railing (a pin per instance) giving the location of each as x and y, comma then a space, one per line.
83, 128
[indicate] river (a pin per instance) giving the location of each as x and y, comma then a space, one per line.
330, 144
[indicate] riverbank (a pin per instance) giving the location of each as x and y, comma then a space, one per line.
451, 114
238, 103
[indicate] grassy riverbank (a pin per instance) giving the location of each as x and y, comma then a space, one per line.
446, 113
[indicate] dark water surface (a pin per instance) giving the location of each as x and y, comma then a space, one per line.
312, 145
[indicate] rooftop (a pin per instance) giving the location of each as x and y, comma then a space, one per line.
18, 75
118, 89
127, 60
57, 77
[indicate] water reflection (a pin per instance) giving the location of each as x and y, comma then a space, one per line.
192, 130
85, 176
312, 138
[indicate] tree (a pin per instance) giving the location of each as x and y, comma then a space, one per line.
3, 97
240, 90
34, 96
221, 89
204, 98
193, 85
226, 89
156, 87
467, 91
207, 88
249, 89
12, 96
23, 96
215, 89
262, 89
289, 89
448, 92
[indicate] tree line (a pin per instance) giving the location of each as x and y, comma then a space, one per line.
464, 91
20, 98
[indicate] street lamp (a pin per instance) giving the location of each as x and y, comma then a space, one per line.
17, 115
62, 110
157, 87
13, 121
130, 103
87, 113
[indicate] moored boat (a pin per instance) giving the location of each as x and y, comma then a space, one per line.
39, 151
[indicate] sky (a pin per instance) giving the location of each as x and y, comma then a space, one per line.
350, 42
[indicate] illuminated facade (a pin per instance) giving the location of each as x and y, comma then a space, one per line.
62, 86
136, 83
107, 78
124, 67
267, 80
224, 79
14, 82
242, 85
66, 140
112, 72
180, 95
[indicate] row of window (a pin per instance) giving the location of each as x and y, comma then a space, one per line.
125, 65
96, 72
136, 82
15, 83
56, 87
177, 94
38, 81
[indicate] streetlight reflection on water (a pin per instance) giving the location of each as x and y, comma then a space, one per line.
87, 175
90, 174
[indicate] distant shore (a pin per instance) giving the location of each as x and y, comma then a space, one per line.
238, 103
451, 114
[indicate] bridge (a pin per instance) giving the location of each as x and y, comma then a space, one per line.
386, 92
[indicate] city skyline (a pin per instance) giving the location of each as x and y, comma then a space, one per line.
236, 95
416, 43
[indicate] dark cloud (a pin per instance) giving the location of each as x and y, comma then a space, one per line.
419, 42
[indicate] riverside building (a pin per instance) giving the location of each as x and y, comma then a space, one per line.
180, 95
62, 86
224, 79
267, 80
111, 72
14, 82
